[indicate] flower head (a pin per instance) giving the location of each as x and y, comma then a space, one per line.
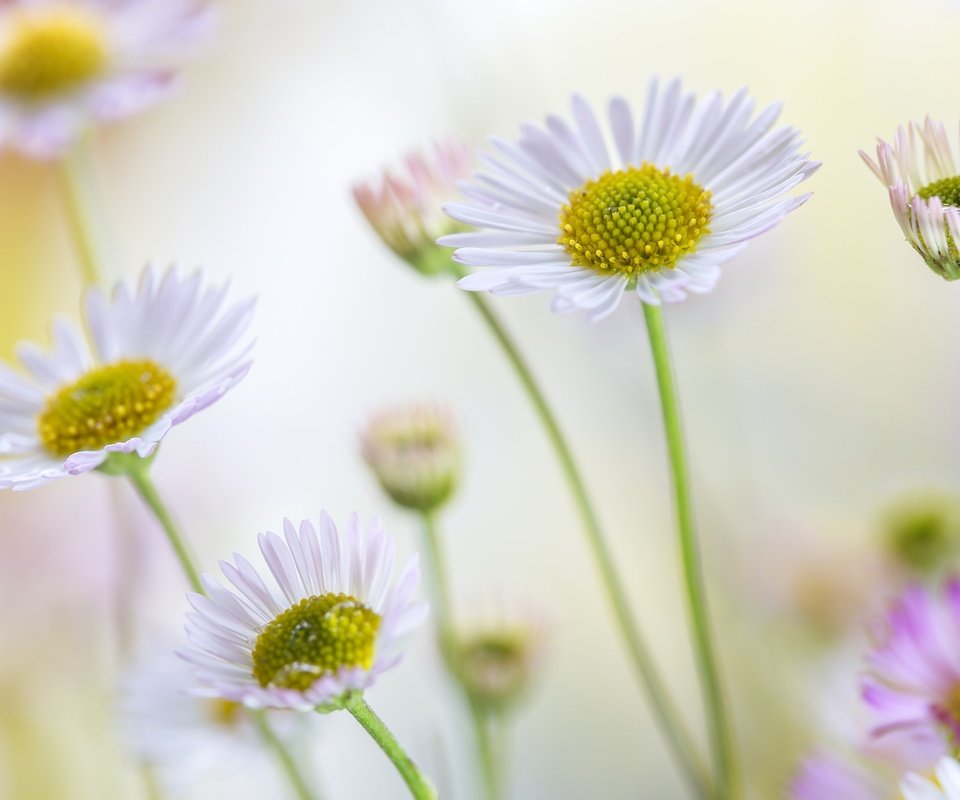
678, 195
944, 786
327, 629
497, 660
924, 188
922, 532
185, 737
65, 64
155, 354
415, 454
405, 210
913, 681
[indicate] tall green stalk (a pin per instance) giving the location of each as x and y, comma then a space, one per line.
78, 213
720, 739
664, 710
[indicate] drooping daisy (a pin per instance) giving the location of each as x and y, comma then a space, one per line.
912, 685
328, 628
415, 454
405, 209
155, 354
680, 192
65, 64
924, 187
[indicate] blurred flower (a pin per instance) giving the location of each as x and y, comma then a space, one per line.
415, 455
406, 211
924, 187
163, 351
823, 778
497, 660
913, 683
330, 632
659, 215
183, 736
923, 532
67, 63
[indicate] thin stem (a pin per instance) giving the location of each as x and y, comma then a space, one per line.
139, 475
486, 754
665, 713
420, 787
487, 751
78, 215
720, 743
286, 761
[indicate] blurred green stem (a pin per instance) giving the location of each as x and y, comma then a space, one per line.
419, 786
486, 753
665, 712
79, 218
720, 740
137, 470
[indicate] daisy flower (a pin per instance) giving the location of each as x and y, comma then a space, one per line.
924, 188
945, 786
405, 208
154, 355
415, 454
186, 738
327, 629
912, 685
65, 64
679, 193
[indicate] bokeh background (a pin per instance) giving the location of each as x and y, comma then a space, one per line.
819, 384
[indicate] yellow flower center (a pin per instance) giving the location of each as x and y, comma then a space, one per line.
947, 189
107, 405
316, 637
635, 220
46, 55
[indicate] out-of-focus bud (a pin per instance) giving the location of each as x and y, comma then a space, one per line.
405, 209
415, 454
497, 661
922, 532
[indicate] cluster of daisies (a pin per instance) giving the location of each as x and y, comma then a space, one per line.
591, 207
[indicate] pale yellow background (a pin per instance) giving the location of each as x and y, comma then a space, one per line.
818, 379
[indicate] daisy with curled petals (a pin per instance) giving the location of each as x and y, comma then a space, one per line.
66, 64
681, 191
153, 355
922, 180
318, 635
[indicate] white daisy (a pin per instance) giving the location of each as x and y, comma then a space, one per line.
65, 64
330, 630
184, 737
946, 786
924, 187
676, 196
161, 351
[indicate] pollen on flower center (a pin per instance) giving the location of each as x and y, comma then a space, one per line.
947, 189
634, 220
51, 53
107, 405
316, 637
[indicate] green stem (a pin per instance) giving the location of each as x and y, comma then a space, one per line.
665, 713
78, 216
486, 754
420, 787
720, 743
138, 473
286, 761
